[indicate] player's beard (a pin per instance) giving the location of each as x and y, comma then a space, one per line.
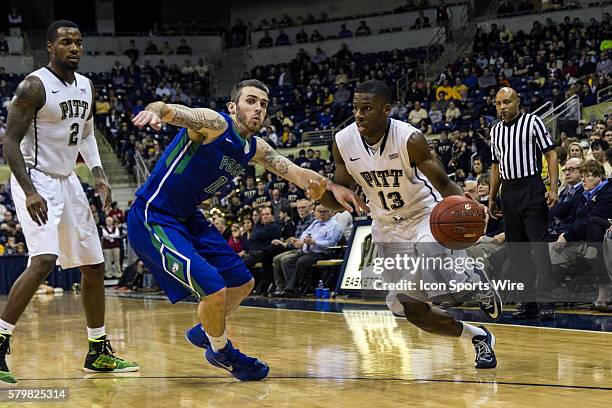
244, 121
67, 64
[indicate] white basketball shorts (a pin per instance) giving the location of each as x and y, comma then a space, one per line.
70, 231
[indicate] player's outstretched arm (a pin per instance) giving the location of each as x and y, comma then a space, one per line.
420, 156
29, 97
204, 124
305, 179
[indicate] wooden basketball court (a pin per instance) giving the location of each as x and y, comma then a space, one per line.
355, 358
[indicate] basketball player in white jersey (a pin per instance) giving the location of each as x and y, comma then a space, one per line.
50, 121
392, 163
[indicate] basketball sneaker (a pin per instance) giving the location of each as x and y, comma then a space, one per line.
5, 348
241, 366
483, 345
197, 336
101, 358
489, 301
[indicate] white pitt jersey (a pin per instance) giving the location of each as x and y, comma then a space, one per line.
51, 143
399, 196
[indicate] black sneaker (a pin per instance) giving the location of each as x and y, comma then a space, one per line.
483, 345
547, 311
529, 310
489, 301
5, 348
101, 358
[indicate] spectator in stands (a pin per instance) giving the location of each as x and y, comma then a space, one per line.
589, 216
399, 111
4, 48
266, 41
487, 81
236, 240
279, 203
301, 37
262, 237
312, 246
560, 213
15, 21
417, 114
344, 32
362, 30
478, 169
504, 8
282, 39
131, 51
604, 66
261, 198
316, 36
183, 48
320, 56
422, 21
166, 49
238, 34
151, 48
436, 117
443, 20
111, 248
452, 114
598, 149
221, 225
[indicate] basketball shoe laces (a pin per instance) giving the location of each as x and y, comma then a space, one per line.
483, 351
238, 359
106, 351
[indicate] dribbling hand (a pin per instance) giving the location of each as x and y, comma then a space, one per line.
37, 208
147, 118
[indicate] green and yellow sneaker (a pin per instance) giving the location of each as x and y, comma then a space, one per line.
5, 348
101, 358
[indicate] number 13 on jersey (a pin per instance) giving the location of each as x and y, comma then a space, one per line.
394, 198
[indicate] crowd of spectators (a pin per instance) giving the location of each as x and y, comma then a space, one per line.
313, 92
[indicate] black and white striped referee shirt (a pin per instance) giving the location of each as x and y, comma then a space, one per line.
518, 146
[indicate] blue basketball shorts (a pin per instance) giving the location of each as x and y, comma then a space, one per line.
186, 258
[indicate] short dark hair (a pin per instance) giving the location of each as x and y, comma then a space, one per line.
54, 26
375, 87
600, 144
237, 89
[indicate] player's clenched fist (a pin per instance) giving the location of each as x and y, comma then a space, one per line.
145, 118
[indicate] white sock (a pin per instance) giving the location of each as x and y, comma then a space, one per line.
6, 327
469, 331
217, 343
93, 334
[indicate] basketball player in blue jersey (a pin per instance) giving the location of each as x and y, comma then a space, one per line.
185, 253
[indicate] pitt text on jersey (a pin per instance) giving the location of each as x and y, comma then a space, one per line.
74, 108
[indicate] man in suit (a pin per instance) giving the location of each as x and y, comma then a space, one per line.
560, 213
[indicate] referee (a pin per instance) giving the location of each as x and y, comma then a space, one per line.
517, 143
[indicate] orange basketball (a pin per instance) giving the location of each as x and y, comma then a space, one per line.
457, 222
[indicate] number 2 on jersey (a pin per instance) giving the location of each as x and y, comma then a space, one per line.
74, 134
395, 196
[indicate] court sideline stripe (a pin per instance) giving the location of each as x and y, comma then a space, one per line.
298, 377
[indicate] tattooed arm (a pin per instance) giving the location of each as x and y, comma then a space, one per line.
29, 97
204, 125
306, 179
282, 166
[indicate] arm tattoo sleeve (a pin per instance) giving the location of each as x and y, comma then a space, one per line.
195, 119
275, 162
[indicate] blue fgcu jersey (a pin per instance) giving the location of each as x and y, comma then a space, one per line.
189, 173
